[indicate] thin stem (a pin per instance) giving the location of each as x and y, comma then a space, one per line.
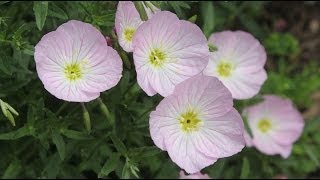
61, 108
141, 10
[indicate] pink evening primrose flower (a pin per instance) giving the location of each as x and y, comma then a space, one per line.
127, 22
197, 175
275, 125
197, 124
238, 63
168, 51
75, 63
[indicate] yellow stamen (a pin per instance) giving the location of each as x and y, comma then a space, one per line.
264, 125
73, 72
189, 121
157, 57
128, 34
224, 69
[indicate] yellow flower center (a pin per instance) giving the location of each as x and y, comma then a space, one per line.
128, 34
189, 121
157, 57
73, 72
224, 69
264, 125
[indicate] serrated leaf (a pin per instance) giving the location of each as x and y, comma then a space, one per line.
110, 165
40, 9
60, 144
76, 135
245, 170
118, 144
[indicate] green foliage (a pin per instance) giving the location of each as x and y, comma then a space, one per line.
40, 9
50, 138
282, 44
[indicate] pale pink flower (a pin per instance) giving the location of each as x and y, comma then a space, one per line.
197, 124
168, 51
197, 175
275, 125
75, 63
127, 22
238, 63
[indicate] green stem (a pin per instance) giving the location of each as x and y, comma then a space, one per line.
61, 108
125, 59
141, 10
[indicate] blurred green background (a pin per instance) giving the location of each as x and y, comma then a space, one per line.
50, 140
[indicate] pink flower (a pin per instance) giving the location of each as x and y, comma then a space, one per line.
168, 51
238, 63
75, 63
127, 22
197, 124
275, 125
197, 175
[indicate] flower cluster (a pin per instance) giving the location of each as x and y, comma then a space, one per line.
195, 122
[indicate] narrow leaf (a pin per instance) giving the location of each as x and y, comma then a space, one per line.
118, 144
76, 135
24, 131
60, 144
40, 9
110, 165
208, 17
245, 168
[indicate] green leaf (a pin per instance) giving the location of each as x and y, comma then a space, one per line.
56, 11
126, 171
3, 2
76, 135
52, 166
193, 18
12, 170
245, 170
110, 165
142, 12
312, 154
207, 12
24, 131
118, 144
29, 50
40, 9
144, 152
60, 144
